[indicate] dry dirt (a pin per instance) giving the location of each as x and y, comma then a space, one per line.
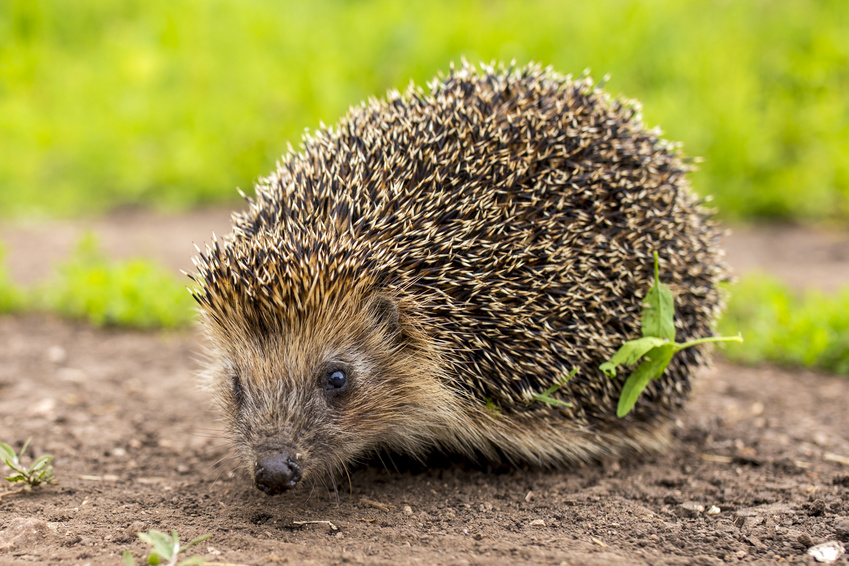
756, 475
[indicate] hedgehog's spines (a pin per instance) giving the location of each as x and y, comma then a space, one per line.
515, 211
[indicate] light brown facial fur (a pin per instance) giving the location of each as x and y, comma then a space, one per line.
273, 387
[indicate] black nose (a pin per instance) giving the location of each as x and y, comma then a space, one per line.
276, 474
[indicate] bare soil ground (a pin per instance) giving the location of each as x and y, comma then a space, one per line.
756, 476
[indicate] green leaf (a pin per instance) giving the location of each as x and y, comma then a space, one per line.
657, 346
23, 449
15, 468
630, 352
162, 543
658, 317
548, 400
145, 537
7, 453
196, 541
545, 396
128, 558
41, 462
651, 368
691, 343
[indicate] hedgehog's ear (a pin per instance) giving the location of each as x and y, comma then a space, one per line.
384, 314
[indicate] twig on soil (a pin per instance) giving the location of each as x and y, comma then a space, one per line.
13, 491
716, 458
598, 542
376, 504
151, 480
107, 477
328, 523
832, 457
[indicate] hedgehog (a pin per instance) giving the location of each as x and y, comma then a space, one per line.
413, 276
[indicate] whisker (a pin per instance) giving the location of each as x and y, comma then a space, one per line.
344, 468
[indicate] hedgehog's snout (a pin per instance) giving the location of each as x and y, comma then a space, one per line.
277, 473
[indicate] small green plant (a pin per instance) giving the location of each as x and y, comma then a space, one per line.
656, 347
545, 396
166, 549
38, 473
132, 293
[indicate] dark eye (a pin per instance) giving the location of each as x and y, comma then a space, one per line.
336, 380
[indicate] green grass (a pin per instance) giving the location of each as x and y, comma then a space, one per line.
808, 330
11, 297
173, 103
134, 293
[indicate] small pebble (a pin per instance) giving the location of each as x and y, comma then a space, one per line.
537, 523
827, 552
23, 532
407, 510
841, 529
72, 375
821, 439
805, 540
689, 510
57, 355
43, 408
134, 529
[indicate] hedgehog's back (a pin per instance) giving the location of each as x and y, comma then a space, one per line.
520, 210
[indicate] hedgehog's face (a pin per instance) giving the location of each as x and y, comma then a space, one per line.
307, 399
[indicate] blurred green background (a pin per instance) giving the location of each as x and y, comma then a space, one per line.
174, 103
